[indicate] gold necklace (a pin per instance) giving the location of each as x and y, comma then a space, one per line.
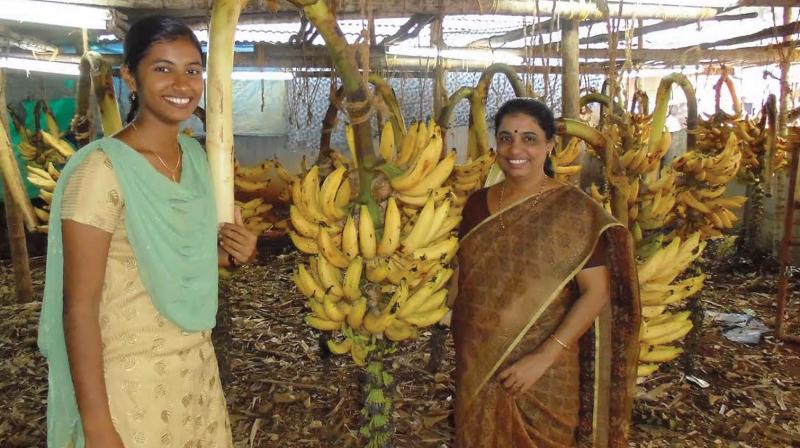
535, 202
172, 171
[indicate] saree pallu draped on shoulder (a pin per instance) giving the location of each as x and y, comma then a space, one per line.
515, 287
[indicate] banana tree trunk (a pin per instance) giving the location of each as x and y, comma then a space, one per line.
219, 134
103, 85
479, 132
15, 225
10, 169
82, 125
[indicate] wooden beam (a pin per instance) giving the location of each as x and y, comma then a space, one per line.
9, 37
769, 3
501, 39
406, 8
316, 56
640, 31
784, 31
409, 30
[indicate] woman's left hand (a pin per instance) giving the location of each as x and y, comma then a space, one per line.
236, 240
524, 373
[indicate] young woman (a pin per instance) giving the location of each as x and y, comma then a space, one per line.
538, 263
131, 288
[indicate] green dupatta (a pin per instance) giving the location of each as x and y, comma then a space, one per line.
172, 229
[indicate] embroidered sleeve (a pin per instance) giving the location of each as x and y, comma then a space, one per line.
92, 194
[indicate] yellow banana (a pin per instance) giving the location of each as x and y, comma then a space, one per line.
387, 144
426, 319
350, 239
43, 215
356, 315
61, 146
444, 251
643, 370
332, 309
659, 353
409, 145
399, 331
390, 239
416, 238
419, 201
330, 277
424, 164
439, 216
366, 234
43, 183
303, 244
322, 324
343, 195
435, 301
310, 195
46, 196
303, 226
329, 249
377, 270
436, 177
352, 279
339, 348
327, 195
351, 143
307, 284
678, 333
376, 323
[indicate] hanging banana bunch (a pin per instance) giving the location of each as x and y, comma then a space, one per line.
563, 160
384, 278
265, 191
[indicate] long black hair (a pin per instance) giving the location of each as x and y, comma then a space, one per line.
142, 35
536, 110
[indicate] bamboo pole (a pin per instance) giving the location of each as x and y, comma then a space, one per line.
18, 246
570, 74
11, 173
82, 125
440, 94
219, 135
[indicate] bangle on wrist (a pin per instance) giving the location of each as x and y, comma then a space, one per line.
559, 342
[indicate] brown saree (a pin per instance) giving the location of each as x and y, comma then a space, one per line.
515, 287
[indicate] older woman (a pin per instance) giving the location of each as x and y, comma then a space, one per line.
541, 263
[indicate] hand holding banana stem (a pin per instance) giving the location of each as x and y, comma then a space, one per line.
237, 241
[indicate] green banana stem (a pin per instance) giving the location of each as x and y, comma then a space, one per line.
605, 101
569, 127
379, 428
479, 132
344, 61
81, 125
662, 107
390, 99
102, 82
219, 141
447, 112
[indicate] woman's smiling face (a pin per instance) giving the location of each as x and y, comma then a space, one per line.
169, 80
522, 146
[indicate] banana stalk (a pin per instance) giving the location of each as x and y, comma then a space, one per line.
344, 60
447, 112
82, 126
329, 121
479, 135
737, 105
390, 99
102, 83
662, 106
219, 141
640, 99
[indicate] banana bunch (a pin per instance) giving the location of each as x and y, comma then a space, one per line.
657, 201
45, 181
638, 160
265, 191
470, 177
377, 272
658, 292
563, 159
707, 211
716, 169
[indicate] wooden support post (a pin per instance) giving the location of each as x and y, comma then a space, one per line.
15, 224
570, 76
783, 100
440, 94
785, 248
